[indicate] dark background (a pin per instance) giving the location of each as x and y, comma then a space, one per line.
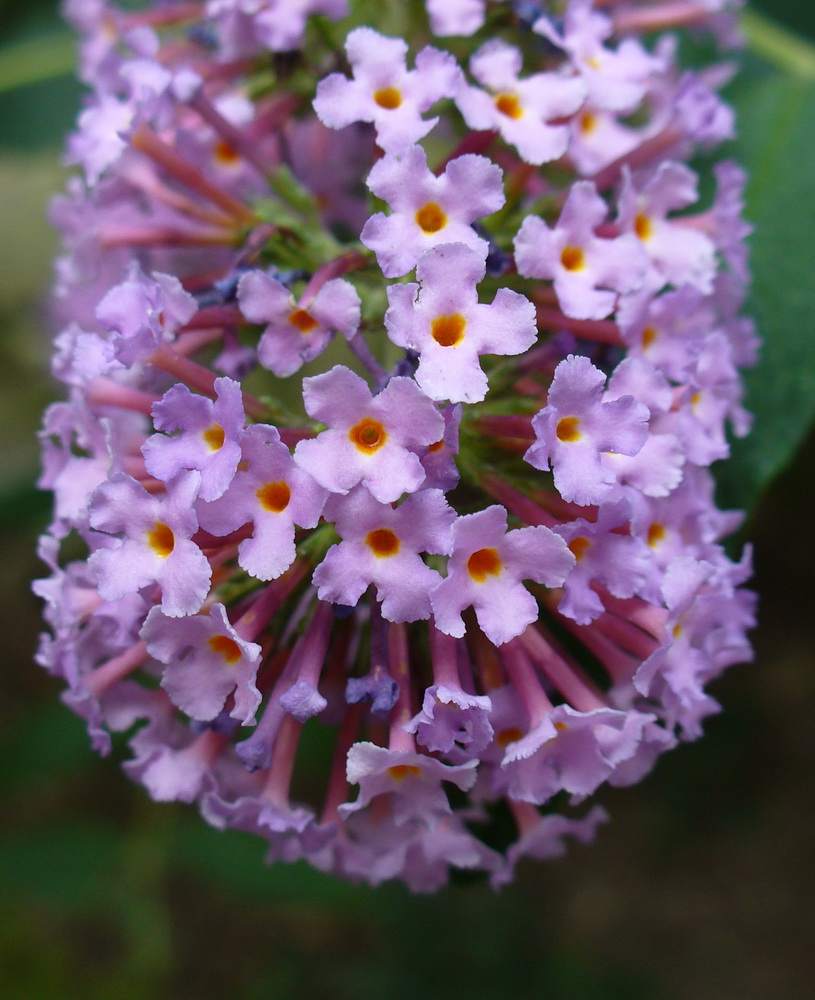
701, 888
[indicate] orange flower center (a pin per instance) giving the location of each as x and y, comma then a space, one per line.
227, 647
401, 771
430, 218
214, 437
368, 435
447, 331
573, 258
161, 540
483, 563
304, 321
509, 104
383, 542
568, 429
389, 98
642, 226
274, 496
579, 547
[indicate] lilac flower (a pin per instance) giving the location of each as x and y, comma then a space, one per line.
478, 542
157, 546
206, 660
678, 254
442, 320
297, 331
371, 440
204, 435
428, 210
487, 565
522, 110
245, 26
615, 78
384, 91
576, 428
142, 313
382, 545
587, 269
273, 494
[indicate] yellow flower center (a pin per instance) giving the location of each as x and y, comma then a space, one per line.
483, 563
368, 435
388, 98
227, 647
430, 218
447, 331
568, 429
383, 542
161, 540
573, 258
274, 496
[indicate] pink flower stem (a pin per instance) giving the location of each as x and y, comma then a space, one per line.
200, 378
650, 149
351, 261
526, 682
506, 425
231, 135
111, 237
572, 683
164, 16
626, 635
359, 348
337, 791
277, 785
98, 681
444, 653
402, 713
103, 391
252, 622
517, 503
473, 142
601, 331
147, 142
659, 18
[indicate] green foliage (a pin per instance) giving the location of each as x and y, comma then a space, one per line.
777, 145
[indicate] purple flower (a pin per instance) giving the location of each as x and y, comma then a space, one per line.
203, 435
384, 91
297, 331
587, 269
206, 660
523, 110
157, 546
428, 210
487, 565
382, 545
464, 523
576, 428
442, 320
371, 440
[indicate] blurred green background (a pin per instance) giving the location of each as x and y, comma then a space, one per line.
700, 889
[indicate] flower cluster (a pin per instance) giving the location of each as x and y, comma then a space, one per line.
393, 384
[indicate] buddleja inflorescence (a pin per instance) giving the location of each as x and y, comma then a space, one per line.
394, 380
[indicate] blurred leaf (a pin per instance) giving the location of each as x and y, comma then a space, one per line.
36, 59
777, 145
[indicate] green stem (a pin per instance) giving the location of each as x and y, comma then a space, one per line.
778, 45
36, 60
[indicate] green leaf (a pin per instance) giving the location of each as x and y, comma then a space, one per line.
777, 145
